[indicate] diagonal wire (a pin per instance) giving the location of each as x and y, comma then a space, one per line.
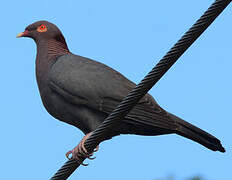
114, 119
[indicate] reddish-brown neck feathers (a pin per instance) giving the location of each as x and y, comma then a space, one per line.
56, 48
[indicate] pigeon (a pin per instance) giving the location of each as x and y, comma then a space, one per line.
83, 92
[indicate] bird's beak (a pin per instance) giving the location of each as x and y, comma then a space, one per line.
22, 34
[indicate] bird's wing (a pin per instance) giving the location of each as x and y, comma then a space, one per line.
83, 81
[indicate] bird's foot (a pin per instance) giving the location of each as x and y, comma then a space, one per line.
81, 151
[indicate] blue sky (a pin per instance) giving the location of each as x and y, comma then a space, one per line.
130, 36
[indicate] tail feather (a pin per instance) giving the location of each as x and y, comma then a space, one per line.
196, 134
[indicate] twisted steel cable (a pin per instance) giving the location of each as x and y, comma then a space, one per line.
112, 121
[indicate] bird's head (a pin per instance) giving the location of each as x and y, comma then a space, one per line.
42, 30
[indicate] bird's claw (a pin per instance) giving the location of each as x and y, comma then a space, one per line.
67, 155
80, 151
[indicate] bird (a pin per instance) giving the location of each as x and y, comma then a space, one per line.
83, 92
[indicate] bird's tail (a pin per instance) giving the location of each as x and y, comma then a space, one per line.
196, 134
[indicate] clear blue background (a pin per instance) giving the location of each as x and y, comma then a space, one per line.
130, 36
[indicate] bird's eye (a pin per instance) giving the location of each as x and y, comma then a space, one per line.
42, 28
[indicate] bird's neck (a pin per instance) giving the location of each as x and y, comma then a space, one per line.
56, 48
47, 53
52, 48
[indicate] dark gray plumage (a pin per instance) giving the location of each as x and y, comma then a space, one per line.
83, 92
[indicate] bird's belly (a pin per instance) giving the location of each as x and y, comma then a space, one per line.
77, 115
56, 107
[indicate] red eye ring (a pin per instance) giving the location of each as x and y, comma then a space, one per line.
42, 28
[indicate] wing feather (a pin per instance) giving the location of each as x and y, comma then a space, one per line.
86, 82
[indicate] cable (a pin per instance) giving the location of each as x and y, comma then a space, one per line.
115, 118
